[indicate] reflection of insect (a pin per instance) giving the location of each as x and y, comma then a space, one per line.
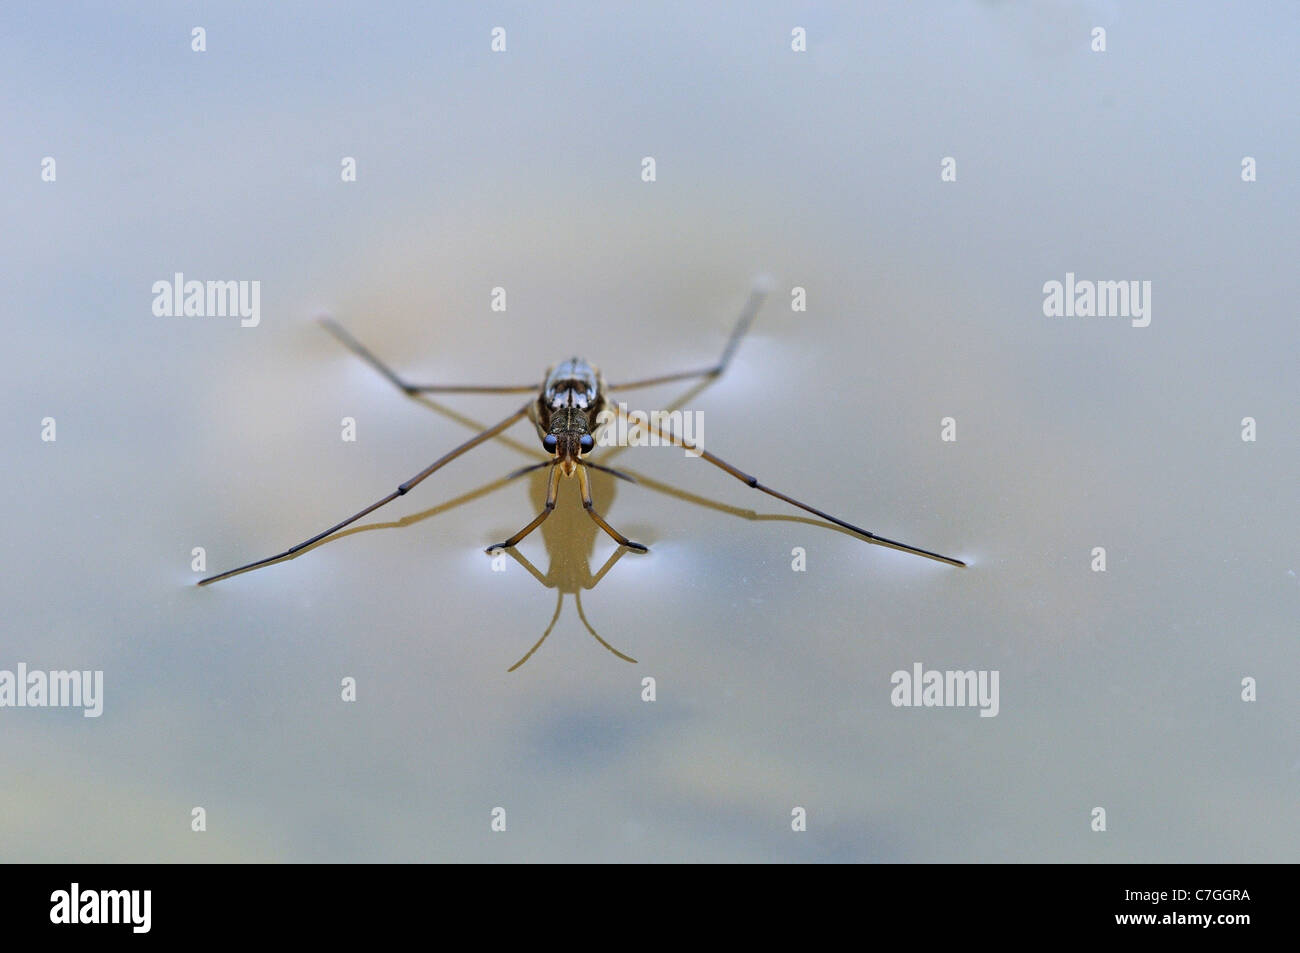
569, 571
565, 414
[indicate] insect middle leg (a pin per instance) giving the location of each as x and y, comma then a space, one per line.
752, 482
401, 490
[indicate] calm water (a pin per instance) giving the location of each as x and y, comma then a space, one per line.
1118, 689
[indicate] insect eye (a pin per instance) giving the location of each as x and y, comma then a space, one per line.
587, 442
549, 442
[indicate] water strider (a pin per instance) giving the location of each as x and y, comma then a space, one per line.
568, 404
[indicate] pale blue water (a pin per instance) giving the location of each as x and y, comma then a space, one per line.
522, 170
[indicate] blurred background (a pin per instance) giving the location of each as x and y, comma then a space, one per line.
522, 170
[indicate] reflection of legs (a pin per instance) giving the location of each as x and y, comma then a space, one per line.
559, 602
619, 538
361, 351
614, 557
745, 478
552, 487
400, 491
577, 598
520, 558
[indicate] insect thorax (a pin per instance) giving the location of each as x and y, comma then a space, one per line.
571, 399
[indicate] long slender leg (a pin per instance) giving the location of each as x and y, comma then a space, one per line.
748, 480
363, 352
400, 491
552, 488
523, 560
747, 314
619, 538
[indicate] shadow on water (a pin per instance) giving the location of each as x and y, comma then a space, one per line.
569, 534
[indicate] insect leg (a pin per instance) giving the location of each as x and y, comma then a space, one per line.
748, 480
400, 491
552, 488
359, 349
715, 370
619, 538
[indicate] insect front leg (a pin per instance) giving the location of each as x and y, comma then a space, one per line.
618, 537
552, 488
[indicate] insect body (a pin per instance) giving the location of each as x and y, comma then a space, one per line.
566, 411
